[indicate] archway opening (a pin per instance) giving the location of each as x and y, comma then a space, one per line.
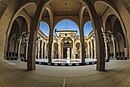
65, 33
80, 16
42, 40
89, 40
121, 49
115, 39
111, 22
67, 48
17, 41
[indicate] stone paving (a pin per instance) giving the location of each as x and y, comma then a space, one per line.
15, 75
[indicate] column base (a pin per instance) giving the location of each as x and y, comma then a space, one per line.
31, 68
100, 68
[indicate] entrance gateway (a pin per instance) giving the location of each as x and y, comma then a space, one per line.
67, 50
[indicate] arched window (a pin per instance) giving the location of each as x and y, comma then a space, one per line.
67, 24
44, 27
87, 28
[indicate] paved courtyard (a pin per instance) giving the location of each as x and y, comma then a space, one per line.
14, 74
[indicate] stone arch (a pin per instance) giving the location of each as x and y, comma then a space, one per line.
51, 19
14, 17
115, 30
97, 30
120, 16
121, 41
107, 3
66, 43
100, 55
75, 19
67, 19
18, 10
64, 40
12, 40
109, 23
18, 43
23, 22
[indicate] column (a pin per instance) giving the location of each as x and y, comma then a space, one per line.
106, 50
53, 54
38, 49
19, 48
7, 52
100, 46
105, 35
50, 45
33, 36
42, 50
15, 44
68, 55
82, 41
86, 50
45, 51
82, 45
59, 50
91, 49
80, 49
114, 46
26, 51
94, 48
25, 46
81, 13
73, 50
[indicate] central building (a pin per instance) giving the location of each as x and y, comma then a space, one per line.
66, 45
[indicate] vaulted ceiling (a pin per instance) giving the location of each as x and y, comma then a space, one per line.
66, 7
72, 7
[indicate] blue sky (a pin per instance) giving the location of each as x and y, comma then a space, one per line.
44, 27
66, 24
88, 27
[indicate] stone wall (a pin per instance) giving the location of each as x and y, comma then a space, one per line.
4, 23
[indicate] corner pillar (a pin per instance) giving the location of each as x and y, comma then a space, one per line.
33, 36
100, 46
50, 46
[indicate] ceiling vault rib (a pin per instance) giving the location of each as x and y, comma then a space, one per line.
80, 7
51, 8
26, 11
104, 11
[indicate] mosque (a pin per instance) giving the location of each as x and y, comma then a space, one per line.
66, 56
66, 45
